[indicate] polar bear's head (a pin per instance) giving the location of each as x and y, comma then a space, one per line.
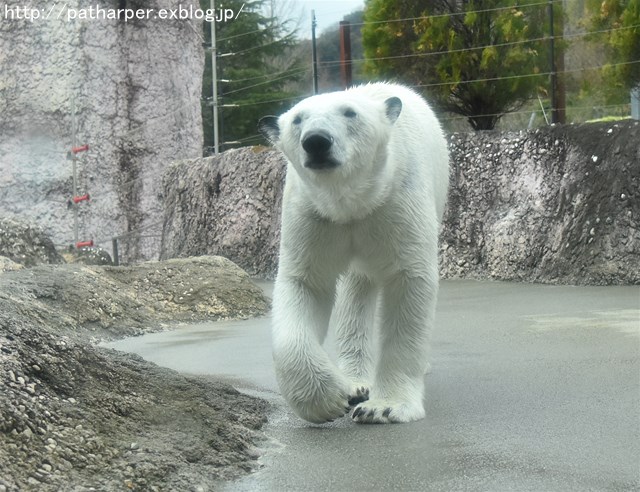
333, 136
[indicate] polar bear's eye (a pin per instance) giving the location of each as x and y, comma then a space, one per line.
349, 113
297, 120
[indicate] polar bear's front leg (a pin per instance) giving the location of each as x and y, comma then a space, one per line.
308, 379
354, 318
408, 306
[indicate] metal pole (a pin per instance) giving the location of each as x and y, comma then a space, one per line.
561, 87
635, 103
74, 144
116, 254
345, 53
552, 62
314, 53
214, 81
221, 144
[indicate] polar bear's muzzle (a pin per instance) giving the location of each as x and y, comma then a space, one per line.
317, 145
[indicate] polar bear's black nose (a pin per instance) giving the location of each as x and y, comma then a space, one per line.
317, 143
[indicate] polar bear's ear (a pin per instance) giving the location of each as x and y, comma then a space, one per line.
268, 127
394, 106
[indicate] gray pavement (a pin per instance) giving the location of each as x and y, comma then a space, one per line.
533, 388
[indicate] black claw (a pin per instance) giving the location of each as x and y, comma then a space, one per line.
357, 412
354, 400
386, 412
347, 409
362, 394
371, 414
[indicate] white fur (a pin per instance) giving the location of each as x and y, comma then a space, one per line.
361, 234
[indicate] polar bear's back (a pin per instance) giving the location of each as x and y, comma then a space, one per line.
417, 139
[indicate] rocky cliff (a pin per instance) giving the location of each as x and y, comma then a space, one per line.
556, 205
227, 205
136, 86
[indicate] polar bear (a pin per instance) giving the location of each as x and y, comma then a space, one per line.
366, 185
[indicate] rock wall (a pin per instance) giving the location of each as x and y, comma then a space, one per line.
558, 205
136, 87
227, 205
555, 205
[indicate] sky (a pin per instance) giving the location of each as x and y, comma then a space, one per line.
328, 12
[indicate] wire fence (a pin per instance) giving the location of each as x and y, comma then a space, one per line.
135, 248
143, 244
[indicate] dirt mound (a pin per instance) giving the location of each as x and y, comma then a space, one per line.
77, 417
106, 302
26, 244
92, 255
7, 265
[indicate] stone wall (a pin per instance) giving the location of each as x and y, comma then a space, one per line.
558, 205
555, 205
137, 88
227, 205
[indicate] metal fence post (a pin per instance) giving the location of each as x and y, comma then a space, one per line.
635, 103
116, 257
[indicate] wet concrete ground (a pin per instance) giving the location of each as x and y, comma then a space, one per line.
533, 388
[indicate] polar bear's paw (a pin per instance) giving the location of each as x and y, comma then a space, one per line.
328, 406
318, 400
358, 394
323, 408
385, 411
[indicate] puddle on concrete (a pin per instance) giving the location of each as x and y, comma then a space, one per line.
625, 321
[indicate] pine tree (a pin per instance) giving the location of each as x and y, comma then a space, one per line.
253, 51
